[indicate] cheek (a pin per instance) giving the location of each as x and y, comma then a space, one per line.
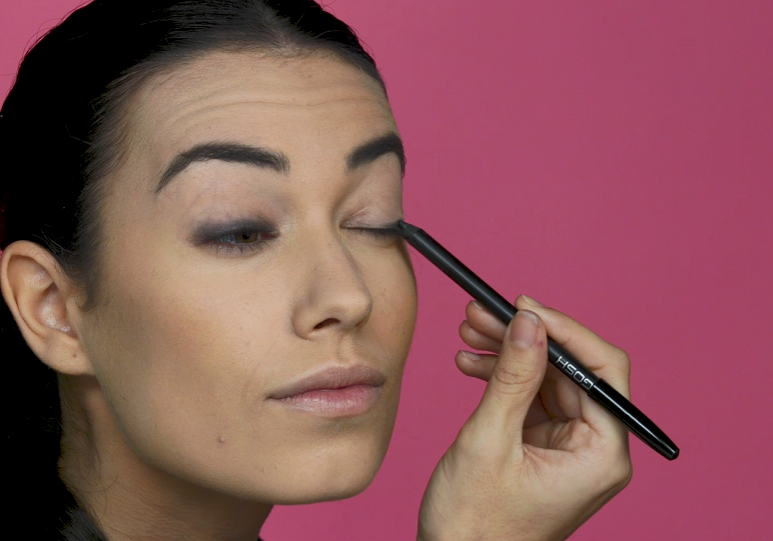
184, 360
395, 304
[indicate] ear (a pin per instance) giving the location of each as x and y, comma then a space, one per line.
44, 304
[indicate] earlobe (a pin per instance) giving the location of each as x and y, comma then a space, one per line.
40, 299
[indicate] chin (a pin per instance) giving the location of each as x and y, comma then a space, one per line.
341, 489
333, 474
335, 477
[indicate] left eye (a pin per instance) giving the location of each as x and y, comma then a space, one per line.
230, 238
240, 240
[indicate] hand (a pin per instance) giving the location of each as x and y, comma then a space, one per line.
538, 456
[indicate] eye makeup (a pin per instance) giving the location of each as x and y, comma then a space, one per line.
380, 233
390, 230
241, 236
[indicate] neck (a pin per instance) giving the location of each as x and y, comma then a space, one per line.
129, 499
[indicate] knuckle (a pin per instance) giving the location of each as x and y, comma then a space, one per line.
622, 360
617, 359
625, 476
565, 321
622, 356
482, 450
514, 379
471, 446
619, 474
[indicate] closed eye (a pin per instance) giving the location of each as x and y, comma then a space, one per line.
380, 233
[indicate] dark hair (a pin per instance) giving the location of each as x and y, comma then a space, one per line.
61, 135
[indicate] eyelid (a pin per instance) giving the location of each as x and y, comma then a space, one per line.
374, 225
213, 235
386, 231
207, 231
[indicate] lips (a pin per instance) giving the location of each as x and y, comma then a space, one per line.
331, 379
335, 391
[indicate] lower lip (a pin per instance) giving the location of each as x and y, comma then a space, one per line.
343, 402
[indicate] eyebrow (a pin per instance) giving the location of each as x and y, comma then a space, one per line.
375, 148
265, 158
225, 152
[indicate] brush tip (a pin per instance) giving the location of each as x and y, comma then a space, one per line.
406, 229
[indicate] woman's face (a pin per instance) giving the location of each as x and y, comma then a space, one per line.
240, 272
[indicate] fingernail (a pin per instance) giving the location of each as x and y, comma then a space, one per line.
478, 305
523, 330
470, 355
532, 301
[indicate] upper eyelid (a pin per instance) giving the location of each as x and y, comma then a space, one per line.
206, 231
376, 229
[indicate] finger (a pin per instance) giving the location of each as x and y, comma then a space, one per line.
536, 414
476, 365
515, 379
482, 366
476, 340
560, 396
484, 322
484, 331
604, 359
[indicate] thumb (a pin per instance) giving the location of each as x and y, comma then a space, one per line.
517, 376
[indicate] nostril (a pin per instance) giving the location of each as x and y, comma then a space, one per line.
328, 321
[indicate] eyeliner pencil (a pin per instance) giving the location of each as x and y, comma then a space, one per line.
597, 388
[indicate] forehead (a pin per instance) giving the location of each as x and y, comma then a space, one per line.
256, 98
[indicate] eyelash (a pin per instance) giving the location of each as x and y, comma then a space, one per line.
221, 243
223, 239
379, 232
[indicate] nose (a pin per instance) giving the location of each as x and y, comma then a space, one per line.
332, 295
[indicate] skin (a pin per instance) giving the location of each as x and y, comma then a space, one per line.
170, 429
170, 377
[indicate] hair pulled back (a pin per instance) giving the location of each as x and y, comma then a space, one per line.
61, 134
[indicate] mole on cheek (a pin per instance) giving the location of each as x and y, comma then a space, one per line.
221, 439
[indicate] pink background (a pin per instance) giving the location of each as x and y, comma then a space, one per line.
611, 159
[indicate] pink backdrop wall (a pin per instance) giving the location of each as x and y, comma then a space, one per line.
611, 159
